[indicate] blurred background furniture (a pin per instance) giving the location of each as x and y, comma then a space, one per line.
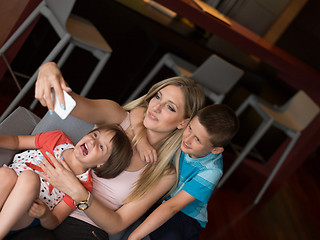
216, 75
71, 30
292, 118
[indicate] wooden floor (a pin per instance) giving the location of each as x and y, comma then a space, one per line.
289, 211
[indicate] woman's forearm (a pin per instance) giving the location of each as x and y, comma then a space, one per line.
115, 221
94, 111
99, 111
106, 218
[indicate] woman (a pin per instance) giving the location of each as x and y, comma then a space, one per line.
169, 105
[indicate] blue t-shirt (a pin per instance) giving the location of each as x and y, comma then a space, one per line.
198, 177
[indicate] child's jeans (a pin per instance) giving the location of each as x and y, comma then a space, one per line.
179, 227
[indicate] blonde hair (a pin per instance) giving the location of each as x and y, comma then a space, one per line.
168, 147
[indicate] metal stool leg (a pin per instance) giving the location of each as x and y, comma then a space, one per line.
95, 74
276, 168
264, 126
32, 80
165, 60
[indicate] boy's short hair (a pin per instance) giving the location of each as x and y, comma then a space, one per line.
121, 154
221, 123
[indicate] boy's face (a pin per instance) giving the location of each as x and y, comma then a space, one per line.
94, 148
196, 141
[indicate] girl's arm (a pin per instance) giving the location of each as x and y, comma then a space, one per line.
17, 142
162, 214
94, 111
50, 219
109, 220
144, 148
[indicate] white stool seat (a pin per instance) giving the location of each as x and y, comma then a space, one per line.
82, 30
216, 75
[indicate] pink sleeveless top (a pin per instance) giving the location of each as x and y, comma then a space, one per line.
111, 192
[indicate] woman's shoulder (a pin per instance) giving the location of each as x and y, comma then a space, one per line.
126, 122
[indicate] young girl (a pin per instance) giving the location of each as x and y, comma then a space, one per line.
107, 150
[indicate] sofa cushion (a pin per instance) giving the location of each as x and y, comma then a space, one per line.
20, 122
72, 126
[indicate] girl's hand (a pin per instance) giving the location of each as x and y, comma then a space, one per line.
146, 152
50, 77
60, 176
38, 209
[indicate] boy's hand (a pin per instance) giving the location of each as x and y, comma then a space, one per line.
132, 237
146, 151
38, 209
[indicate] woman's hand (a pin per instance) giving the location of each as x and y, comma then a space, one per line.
62, 178
50, 77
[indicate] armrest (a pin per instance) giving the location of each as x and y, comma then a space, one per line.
19, 122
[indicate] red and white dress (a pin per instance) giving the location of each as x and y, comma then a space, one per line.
54, 142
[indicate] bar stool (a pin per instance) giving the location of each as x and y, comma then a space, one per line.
292, 118
72, 30
216, 75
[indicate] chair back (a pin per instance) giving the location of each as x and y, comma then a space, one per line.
217, 74
302, 109
61, 9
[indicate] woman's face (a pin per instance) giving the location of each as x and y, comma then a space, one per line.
166, 110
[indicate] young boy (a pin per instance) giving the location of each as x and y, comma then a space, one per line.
184, 213
107, 150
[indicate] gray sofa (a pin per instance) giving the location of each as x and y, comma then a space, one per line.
24, 122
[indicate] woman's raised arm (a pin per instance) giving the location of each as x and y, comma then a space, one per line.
94, 111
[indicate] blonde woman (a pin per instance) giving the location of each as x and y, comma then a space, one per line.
169, 106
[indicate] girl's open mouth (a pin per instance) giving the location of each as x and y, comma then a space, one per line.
84, 149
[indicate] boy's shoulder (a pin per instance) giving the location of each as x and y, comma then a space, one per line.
213, 169
210, 162
214, 161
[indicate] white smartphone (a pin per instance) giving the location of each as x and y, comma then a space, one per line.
70, 103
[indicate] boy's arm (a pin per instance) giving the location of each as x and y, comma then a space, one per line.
162, 214
50, 219
145, 150
17, 142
